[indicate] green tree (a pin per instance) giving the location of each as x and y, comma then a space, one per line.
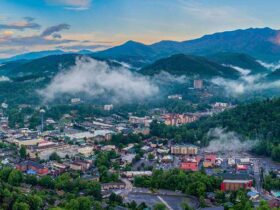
15, 178
21, 206
47, 181
22, 152
160, 206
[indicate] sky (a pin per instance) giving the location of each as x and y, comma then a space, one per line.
71, 25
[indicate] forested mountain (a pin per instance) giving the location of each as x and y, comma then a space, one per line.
190, 66
257, 121
238, 60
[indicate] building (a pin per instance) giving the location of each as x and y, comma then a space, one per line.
130, 174
108, 107
176, 97
75, 100
184, 149
189, 165
234, 185
198, 84
112, 186
234, 182
140, 120
209, 160
179, 119
80, 165
28, 165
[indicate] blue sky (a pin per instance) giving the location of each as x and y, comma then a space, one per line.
32, 25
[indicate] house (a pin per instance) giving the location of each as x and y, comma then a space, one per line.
130, 174
32, 166
209, 160
179, 119
190, 164
80, 165
112, 186
184, 149
108, 148
175, 97
140, 120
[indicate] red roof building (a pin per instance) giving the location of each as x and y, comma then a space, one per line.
234, 185
190, 164
31, 165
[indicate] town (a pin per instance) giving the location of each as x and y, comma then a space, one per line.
122, 155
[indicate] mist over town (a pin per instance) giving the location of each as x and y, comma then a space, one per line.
139, 105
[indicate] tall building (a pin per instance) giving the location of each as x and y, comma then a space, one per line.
198, 84
184, 149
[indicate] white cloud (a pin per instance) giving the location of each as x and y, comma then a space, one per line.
97, 79
223, 141
246, 84
270, 66
221, 15
71, 4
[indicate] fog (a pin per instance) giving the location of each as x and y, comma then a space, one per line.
247, 83
224, 141
97, 79
270, 66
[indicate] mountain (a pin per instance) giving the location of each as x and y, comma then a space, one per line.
261, 43
131, 52
273, 76
191, 66
45, 66
240, 60
32, 55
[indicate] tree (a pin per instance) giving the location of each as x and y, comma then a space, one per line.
46, 181
22, 152
160, 206
35, 202
31, 179
55, 156
20, 206
151, 156
15, 178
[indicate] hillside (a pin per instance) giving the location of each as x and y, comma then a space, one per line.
258, 121
260, 43
191, 66
274, 76
238, 59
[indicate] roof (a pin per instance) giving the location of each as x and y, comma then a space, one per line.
235, 176
31, 163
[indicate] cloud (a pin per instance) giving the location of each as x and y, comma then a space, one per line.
245, 84
97, 79
221, 15
8, 39
242, 71
223, 141
57, 28
71, 4
4, 79
26, 23
270, 66
165, 78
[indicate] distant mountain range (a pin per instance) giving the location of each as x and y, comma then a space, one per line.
261, 43
41, 54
